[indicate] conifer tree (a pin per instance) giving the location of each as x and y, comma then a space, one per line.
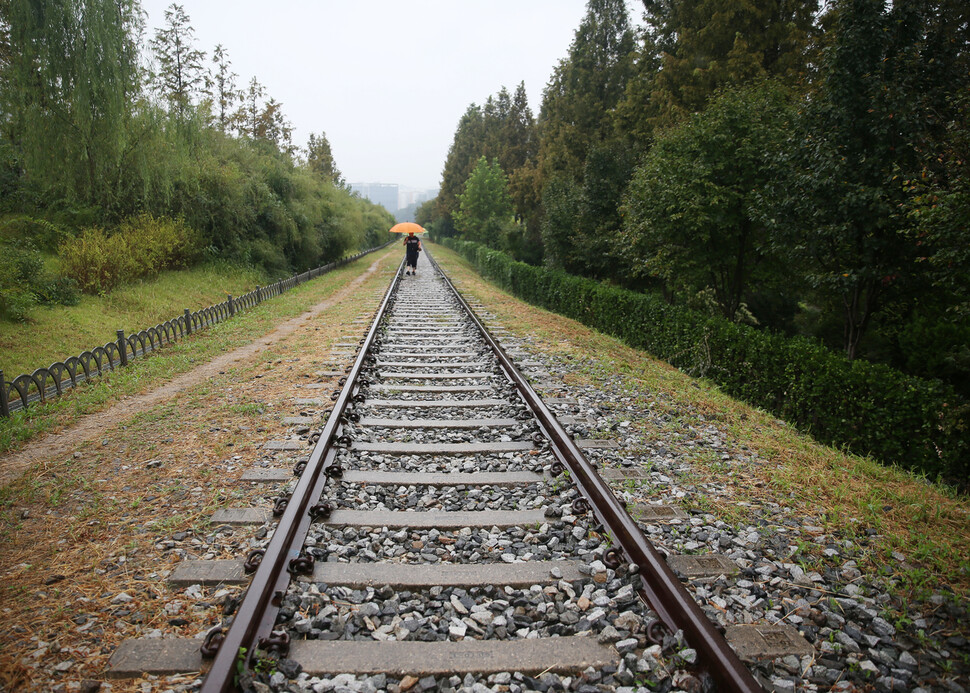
224, 91
319, 158
180, 75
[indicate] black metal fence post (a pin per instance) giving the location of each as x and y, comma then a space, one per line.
188, 322
4, 405
259, 294
232, 307
123, 347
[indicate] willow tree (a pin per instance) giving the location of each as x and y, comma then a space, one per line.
69, 82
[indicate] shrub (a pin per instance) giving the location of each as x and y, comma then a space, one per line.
140, 247
24, 284
868, 408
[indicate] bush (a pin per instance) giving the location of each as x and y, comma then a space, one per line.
140, 247
24, 284
869, 408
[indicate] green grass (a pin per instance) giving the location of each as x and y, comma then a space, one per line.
58, 332
174, 359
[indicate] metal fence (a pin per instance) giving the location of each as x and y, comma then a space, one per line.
61, 376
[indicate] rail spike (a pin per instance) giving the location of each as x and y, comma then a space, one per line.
277, 642
212, 642
253, 560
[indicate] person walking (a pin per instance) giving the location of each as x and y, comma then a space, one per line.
412, 246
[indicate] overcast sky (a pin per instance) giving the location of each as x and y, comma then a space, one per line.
386, 80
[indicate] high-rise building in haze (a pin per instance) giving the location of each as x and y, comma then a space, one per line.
384, 194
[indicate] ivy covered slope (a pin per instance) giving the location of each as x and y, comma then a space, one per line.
871, 409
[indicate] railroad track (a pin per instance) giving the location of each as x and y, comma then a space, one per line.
447, 532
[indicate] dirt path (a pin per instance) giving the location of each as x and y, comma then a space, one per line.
62, 443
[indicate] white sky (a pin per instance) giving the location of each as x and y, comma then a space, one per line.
387, 80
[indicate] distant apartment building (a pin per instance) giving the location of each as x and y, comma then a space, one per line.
384, 194
410, 196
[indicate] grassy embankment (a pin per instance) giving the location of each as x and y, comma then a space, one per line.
58, 332
927, 523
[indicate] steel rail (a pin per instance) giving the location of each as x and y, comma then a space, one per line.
257, 613
664, 592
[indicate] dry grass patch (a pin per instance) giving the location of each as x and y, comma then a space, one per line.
88, 537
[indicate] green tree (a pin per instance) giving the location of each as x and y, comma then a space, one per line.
584, 89
319, 158
578, 117
705, 45
837, 205
67, 87
485, 212
180, 75
251, 108
690, 214
225, 93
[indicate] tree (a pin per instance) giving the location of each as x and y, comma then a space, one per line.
67, 87
319, 159
251, 108
467, 146
225, 93
273, 126
484, 214
690, 213
584, 89
705, 45
180, 76
577, 117
837, 203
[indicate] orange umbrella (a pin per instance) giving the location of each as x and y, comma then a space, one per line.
407, 227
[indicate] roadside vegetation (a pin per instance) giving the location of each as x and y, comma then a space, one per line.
56, 332
145, 374
849, 495
800, 167
178, 164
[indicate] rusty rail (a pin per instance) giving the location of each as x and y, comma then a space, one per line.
253, 623
664, 593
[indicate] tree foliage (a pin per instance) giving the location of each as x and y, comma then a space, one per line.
484, 212
84, 146
319, 158
180, 76
838, 206
703, 46
66, 103
691, 212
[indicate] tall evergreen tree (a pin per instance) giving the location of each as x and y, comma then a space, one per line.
704, 45
577, 118
225, 94
467, 147
319, 158
180, 75
585, 88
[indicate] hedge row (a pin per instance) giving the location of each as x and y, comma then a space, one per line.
868, 408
